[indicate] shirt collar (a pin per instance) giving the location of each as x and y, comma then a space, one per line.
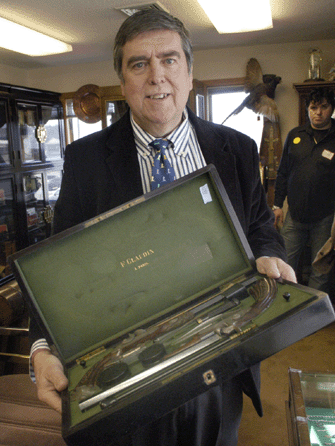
309, 129
178, 137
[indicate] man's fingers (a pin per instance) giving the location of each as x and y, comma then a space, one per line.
51, 398
275, 268
58, 379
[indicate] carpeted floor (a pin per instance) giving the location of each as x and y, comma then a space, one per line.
314, 353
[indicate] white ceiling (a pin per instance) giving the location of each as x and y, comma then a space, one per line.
90, 26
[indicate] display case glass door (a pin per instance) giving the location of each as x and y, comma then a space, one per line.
49, 133
4, 138
28, 123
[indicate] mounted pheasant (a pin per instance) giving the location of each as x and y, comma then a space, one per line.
261, 91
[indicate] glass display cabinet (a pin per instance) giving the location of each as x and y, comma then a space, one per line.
31, 163
311, 408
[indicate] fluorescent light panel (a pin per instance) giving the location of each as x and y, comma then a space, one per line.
24, 40
236, 16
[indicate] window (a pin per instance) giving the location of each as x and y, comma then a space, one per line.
75, 127
112, 104
222, 101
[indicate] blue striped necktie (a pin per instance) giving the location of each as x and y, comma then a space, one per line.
162, 171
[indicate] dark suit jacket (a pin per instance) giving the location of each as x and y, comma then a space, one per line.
101, 171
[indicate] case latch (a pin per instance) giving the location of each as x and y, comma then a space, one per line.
209, 377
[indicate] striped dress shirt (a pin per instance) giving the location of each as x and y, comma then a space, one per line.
183, 153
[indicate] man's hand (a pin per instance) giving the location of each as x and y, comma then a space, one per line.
275, 268
279, 218
50, 378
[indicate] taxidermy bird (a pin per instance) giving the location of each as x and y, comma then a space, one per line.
261, 91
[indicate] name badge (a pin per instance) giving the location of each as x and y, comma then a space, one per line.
328, 154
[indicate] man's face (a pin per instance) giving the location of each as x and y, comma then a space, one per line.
320, 114
156, 81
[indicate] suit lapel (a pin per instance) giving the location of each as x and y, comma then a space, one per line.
123, 161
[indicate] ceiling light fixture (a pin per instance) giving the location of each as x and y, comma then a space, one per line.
24, 40
237, 16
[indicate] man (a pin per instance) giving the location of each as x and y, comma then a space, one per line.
153, 58
306, 175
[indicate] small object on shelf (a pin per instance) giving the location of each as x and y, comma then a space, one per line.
314, 69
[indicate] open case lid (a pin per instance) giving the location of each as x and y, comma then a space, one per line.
135, 264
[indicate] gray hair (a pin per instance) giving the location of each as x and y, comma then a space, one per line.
150, 20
